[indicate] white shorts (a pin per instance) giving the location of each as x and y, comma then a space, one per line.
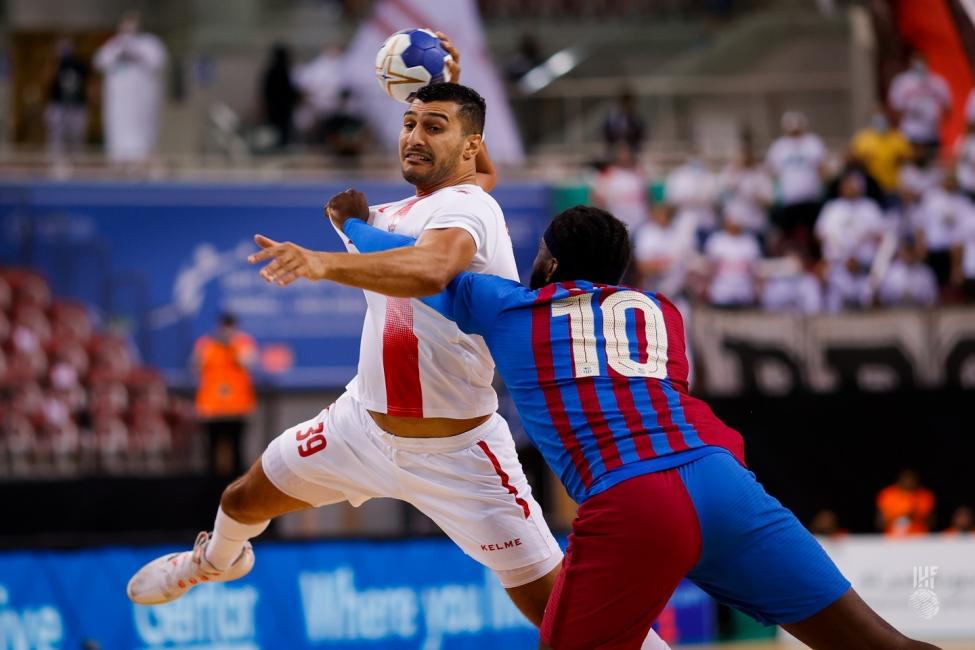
471, 484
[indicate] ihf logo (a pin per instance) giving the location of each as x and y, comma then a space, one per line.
924, 600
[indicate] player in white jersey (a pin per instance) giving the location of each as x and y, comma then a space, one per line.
418, 422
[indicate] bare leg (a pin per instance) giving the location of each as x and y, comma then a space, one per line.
252, 498
530, 599
850, 624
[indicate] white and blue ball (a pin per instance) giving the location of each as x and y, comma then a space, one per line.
409, 60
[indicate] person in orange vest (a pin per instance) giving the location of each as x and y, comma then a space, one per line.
906, 507
225, 397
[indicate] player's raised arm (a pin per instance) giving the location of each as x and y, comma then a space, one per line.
487, 174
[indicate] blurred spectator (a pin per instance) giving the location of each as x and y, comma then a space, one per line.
279, 93
344, 130
905, 508
963, 256
624, 125
939, 224
131, 62
692, 189
66, 115
320, 83
663, 251
225, 397
965, 154
798, 160
526, 56
849, 229
962, 522
732, 254
908, 282
882, 149
747, 191
826, 524
621, 189
921, 98
790, 285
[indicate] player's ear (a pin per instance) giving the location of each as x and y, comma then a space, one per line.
553, 266
473, 145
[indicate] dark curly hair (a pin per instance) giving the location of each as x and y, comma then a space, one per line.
472, 105
589, 244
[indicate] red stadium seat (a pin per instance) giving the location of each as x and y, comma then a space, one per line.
29, 286
70, 321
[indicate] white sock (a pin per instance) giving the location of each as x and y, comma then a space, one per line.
228, 539
654, 642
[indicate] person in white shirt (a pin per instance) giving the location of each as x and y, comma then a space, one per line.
850, 229
731, 254
746, 189
790, 285
798, 161
621, 189
963, 258
965, 154
922, 98
908, 281
132, 62
664, 251
938, 222
692, 189
320, 84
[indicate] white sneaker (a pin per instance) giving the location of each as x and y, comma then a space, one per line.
168, 577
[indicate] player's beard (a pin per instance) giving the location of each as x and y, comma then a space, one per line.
539, 277
440, 169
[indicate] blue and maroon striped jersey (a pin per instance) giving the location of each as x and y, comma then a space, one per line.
598, 373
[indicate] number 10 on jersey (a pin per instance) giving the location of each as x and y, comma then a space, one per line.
582, 329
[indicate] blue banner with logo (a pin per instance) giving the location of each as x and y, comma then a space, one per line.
162, 260
422, 594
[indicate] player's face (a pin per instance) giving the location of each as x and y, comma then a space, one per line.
432, 142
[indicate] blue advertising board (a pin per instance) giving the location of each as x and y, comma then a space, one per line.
164, 259
423, 594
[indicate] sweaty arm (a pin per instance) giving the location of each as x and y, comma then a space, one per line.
472, 300
414, 271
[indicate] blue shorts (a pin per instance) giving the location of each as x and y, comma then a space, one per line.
755, 555
707, 519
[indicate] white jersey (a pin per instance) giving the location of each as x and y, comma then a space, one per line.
796, 161
413, 362
923, 99
733, 259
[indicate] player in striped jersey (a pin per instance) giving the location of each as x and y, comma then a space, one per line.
598, 373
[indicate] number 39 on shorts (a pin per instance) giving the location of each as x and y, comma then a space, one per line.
614, 308
312, 440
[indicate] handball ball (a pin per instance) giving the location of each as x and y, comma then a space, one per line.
409, 60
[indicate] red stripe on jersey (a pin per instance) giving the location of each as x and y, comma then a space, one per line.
622, 388
659, 401
597, 422
545, 368
505, 479
401, 361
677, 365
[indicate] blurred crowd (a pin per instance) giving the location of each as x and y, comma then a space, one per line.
904, 509
793, 229
73, 397
297, 102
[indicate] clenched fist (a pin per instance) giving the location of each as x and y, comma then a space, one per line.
350, 204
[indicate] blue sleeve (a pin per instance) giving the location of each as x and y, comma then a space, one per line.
373, 240
474, 300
